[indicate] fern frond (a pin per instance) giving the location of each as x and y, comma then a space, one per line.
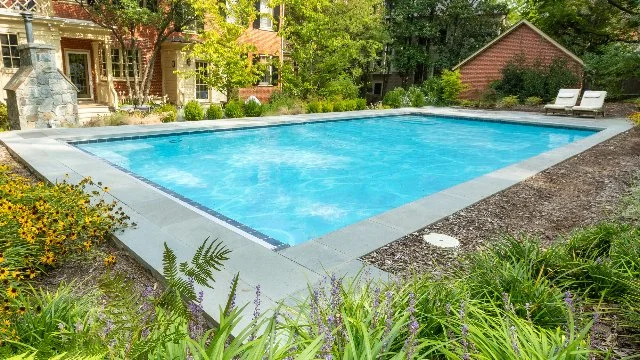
232, 295
207, 259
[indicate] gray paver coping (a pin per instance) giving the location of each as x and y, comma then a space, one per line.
285, 273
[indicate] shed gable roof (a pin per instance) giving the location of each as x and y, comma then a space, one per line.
512, 29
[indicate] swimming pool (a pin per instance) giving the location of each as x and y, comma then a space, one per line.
297, 182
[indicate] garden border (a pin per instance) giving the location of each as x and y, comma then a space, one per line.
285, 273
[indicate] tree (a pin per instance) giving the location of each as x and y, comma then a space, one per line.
332, 45
584, 26
140, 27
220, 46
428, 36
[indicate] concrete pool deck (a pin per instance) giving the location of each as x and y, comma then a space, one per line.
284, 273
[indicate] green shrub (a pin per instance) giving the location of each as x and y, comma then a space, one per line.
508, 102
339, 106
234, 109
533, 101
4, 118
451, 86
327, 106
117, 118
169, 113
524, 80
214, 112
416, 97
314, 107
350, 105
343, 88
253, 109
361, 104
612, 67
396, 98
193, 111
432, 89
635, 117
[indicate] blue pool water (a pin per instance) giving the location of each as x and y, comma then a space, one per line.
295, 183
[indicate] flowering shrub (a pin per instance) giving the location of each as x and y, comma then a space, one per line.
635, 117
42, 225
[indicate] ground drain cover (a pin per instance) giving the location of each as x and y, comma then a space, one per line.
441, 240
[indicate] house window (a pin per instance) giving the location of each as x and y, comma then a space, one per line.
377, 88
10, 56
118, 67
202, 89
266, 22
116, 64
270, 76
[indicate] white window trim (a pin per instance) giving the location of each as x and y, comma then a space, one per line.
122, 77
195, 86
11, 69
89, 75
267, 60
265, 9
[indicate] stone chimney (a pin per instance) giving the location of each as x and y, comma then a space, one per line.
38, 94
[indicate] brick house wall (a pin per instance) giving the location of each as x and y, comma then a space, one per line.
68, 10
486, 66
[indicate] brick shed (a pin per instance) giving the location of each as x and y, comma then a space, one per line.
486, 64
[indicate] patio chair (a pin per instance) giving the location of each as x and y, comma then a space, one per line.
592, 103
566, 99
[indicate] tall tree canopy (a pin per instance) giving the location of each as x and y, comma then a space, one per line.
331, 42
584, 26
430, 35
138, 25
219, 45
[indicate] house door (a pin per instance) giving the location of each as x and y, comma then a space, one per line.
78, 70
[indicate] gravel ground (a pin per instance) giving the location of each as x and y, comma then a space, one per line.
85, 270
576, 193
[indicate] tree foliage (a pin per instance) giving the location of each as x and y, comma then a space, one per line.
139, 25
221, 46
614, 66
583, 25
430, 35
331, 41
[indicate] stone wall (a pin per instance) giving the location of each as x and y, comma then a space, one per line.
39, 95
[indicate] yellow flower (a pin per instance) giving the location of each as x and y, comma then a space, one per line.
87, 244
32, 273
106, 189
4, 272
22, 310
16, 274
12, 292
6, 322
109, 260
1, 257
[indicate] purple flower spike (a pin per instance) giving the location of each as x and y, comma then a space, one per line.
256, 302
410, 344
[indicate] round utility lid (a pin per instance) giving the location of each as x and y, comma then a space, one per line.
441, 240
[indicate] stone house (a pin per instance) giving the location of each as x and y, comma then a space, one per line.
88, 55
484, 66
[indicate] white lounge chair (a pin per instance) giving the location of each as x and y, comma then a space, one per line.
592, 103
566, 99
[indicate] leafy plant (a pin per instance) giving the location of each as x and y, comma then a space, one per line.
234, 109
508, 102
169, 112
253, 108
193, 111
327, 106
360, 104
416, 97
635, 117
526, 80
314, 107
4, 117
533, 101
214, 112
396, 98
451, 86
339, 106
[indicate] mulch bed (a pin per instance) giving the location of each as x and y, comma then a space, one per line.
579, 192
85, 271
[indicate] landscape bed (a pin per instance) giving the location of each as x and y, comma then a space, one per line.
284, 273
